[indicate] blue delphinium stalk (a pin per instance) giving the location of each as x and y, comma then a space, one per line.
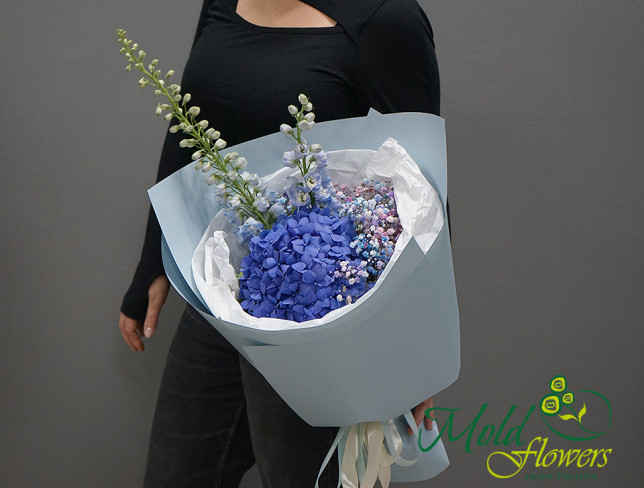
313, 186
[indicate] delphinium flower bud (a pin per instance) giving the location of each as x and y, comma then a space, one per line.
240, 163
234, 201
290, 159
203, 123
212, 134
303, 99
220, 144
252, 179
292, 109
261, 204
231, 156
321, 158
194, 111
197, 155
286, 129
187, 97
277, 209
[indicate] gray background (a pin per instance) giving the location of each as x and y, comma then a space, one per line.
544, 115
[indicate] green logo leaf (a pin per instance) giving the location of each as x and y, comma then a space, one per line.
568, 417
582, 412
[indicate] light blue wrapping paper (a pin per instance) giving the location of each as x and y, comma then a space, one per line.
430, 463
399, 347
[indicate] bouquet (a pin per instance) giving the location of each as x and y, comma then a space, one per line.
311, 265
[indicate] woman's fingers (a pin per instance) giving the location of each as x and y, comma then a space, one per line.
131, 330
419, 414
428, 421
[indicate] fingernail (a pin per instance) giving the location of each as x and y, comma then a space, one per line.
148, 332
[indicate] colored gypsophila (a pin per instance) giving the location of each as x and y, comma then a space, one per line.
372, 208
312, 187
248, 205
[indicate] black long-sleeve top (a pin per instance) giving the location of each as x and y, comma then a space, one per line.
243, 76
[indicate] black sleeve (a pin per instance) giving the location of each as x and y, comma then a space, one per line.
135, 301
397, 69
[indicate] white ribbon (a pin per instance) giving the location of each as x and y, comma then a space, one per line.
379, 444
349, 471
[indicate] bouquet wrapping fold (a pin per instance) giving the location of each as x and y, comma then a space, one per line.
365, 362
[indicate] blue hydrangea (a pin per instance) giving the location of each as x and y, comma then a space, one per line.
290, 272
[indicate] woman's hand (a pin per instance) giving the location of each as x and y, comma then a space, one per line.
419, 414
133, 330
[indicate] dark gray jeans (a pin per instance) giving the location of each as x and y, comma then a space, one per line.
216, 416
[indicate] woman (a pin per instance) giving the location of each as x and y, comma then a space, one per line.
216, 415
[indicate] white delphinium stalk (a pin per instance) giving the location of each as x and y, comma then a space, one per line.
244, 197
